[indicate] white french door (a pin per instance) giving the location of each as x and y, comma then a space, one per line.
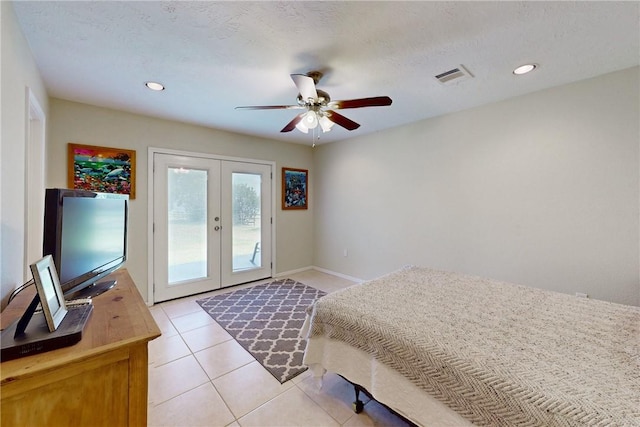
246, 222
212, 224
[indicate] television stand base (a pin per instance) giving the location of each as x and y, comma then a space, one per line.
37, 338
92, 291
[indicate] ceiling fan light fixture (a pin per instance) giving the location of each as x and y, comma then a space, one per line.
310, 119
302, 127
325, 123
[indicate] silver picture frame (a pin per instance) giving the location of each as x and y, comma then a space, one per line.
49, 290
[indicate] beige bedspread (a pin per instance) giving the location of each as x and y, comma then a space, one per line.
496, 353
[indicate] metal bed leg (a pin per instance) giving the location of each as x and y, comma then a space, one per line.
358, 406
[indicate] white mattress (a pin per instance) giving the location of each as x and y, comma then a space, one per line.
386, 386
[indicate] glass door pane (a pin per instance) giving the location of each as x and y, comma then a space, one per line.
246, 194
187, 224
246, 209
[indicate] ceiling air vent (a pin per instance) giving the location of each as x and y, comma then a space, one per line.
454, 75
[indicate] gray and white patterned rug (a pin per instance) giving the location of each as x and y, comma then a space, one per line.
266, 320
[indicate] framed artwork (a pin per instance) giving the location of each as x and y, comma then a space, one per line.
102, 169
49, 290
294, 188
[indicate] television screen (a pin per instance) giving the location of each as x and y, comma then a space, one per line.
92, 233
86, 234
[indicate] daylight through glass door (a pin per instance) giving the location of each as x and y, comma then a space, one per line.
187, 224
247, 232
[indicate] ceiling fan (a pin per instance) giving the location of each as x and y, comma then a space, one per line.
319, 106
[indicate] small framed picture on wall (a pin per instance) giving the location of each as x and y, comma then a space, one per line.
294, 188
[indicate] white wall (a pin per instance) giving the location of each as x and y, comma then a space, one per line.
18, 71
85, 124
541, 190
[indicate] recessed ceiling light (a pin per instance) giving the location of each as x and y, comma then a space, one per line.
154, 86
524, 69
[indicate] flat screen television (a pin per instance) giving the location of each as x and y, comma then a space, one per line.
86, 235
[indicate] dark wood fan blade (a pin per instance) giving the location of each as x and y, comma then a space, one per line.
341, 120
376, 101
292, 124
270, 107
306, 86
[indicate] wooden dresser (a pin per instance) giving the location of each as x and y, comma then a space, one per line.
100, 381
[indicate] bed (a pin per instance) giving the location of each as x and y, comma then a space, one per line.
443, 348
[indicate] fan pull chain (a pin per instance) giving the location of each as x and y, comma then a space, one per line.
315, 134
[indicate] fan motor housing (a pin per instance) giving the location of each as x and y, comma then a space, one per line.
323, 99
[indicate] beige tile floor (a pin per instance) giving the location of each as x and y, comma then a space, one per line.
200, 376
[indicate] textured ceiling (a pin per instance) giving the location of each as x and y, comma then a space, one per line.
214, 56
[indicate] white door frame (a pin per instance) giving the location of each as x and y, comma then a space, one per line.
35, 178
151, 151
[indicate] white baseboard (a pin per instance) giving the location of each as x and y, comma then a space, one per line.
287, 273
323, 270
334, 273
